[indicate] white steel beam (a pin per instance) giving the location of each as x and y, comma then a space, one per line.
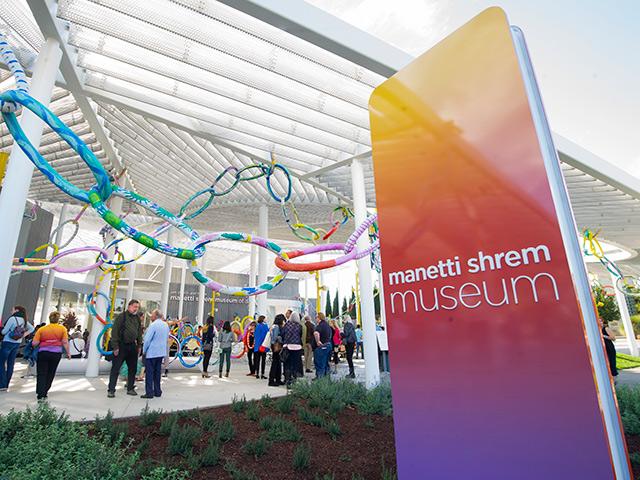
328, 32
51, 27
197, 128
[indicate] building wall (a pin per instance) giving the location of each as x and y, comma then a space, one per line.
24, 288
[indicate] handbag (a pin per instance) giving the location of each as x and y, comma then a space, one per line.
284, 354
208, 347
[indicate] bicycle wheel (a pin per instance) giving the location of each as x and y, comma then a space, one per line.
101, 340
174, 347
191, 346
238, 349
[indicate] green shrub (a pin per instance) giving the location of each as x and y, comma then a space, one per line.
253, 412
144, 444
280, 429
181, 439
39, 444
187, 413
266, 400
164, 473
208, 422
149, 417
323, 392
635, 459
237, 473
211, 454
167, 424
310, 418
302, 457
226, 431
285, 404
257, 448
388, 473
333, 429
115, 432
194, 461
629, 403
377, 401
335, 407
239, 405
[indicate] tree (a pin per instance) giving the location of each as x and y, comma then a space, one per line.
327, 308
606, 305
352, 305
336, 305
376, 302
345, 307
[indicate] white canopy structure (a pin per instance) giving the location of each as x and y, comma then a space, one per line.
175, 91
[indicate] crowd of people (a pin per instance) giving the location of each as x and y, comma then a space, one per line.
296, 346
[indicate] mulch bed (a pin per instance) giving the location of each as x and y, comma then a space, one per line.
366, 441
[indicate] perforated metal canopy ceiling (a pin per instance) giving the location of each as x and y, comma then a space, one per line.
181, 89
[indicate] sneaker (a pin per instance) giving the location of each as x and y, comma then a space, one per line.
250, 374
42, 401
111, 394
132, 392
146, 396
308, 371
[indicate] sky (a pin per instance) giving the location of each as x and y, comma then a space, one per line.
586, 55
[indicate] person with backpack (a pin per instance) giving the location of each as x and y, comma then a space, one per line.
15, 329
51, 340
349, 339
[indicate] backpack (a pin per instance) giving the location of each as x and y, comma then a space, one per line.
18, 331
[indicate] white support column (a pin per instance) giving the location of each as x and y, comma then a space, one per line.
626, 318
306, 295
252, 278
372, 369
201, 293
263, 231
51, 277
13, 197
183, 279
383, 315
132, 273
166, 278
93, 358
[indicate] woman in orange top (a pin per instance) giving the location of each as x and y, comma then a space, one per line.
50, 339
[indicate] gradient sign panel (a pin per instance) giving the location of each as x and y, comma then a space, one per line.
491, 373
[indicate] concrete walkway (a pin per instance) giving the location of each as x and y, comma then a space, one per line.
83, 398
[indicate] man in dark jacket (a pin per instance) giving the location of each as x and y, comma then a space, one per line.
126, 342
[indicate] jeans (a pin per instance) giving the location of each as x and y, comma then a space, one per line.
252, 369
8, 352
350, 347
321, 360
46, 371
359, 350
128, 353
259, 362
225, 353
152, 373
206, 360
